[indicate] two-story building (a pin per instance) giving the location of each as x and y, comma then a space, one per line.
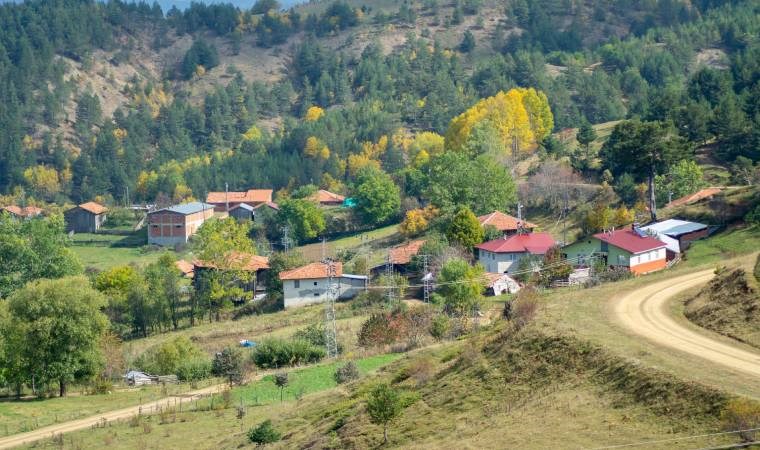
310, 284
632, 249
503, 255
174, 225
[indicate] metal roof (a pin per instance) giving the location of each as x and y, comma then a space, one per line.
188, 208
674, 227
244, 206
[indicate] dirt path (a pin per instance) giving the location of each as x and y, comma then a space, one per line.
646, 313
125, 413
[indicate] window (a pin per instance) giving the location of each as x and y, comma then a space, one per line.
297, 284
622, 260
316, 294
177, 226
315, 283
644, 257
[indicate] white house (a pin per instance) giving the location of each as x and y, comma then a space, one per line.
309, 284
503, 255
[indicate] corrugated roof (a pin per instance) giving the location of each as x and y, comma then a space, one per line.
630, 241
93, 207
403, 254
187, 208
533, 243
675, 227
695, 197
504, 222
272, 205
311, 271
250, 196
244, 206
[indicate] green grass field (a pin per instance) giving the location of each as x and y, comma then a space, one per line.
103, 251
722, 246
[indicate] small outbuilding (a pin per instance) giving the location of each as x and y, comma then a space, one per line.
85, 218
138, 378
677, 234
243, 212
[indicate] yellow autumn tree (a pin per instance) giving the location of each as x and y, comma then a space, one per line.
313, 146
252, 134
622, 216
314, 113
414, 223
357, 162
425, 145
44, 181
520, 117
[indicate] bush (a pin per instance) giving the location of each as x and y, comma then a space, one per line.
166, 358
194, 369
753, 217
274, 353
384, 328
264, 433
524, 307
367, 298
741, 414
617, 274
440, 327
347, 372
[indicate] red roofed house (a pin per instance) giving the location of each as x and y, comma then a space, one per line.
327, 198
26, 212
251, 197
632, 249
505, 223
503, 255
309, 284
85, 218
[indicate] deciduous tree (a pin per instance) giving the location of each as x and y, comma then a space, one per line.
383, 406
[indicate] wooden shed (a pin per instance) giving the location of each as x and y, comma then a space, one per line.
85, 218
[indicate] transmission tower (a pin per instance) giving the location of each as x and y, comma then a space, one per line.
331, 330
286, 242
390, 293
427, 279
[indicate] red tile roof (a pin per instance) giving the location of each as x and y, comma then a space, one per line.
93, 207
695, 197
28, 211
252, 196
533, 243
311, 271
241, 261
272, 205
403, 254
630, 241
323, 196
503, 222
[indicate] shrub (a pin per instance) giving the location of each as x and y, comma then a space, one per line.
753, 217
166, 357
741, 414
274, 353
617, 274
440, 327
264, 433
229, 364
194, 369
524, 307
382, 329
347, 372
367, 298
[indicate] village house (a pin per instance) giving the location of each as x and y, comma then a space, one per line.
503, 255
174, 225
247, 262
85, 218
400, 257
327, 198
505, 223
310, 284
676, 234
631, 249
500, 283
26, 212
225, 201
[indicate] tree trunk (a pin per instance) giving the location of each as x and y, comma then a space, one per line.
385, 433
652, 200
62, 388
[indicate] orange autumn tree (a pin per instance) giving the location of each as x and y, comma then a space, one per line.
520, 118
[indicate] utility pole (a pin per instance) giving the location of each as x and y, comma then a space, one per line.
331, 330
565, 210
427, 279
390, 294
226, 197
286, 242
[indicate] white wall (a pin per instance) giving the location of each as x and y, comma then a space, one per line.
653, 255
499, 262
312, 291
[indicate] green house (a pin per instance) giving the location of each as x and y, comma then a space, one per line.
630, 249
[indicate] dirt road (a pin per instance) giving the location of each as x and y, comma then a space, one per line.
125, 413
646, 312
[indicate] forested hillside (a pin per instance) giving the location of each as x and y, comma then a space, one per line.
105, 99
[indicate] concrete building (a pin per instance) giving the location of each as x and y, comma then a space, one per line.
633, 250
85, 218
309, 284
500, 283
174, 225
503, 255
252, 197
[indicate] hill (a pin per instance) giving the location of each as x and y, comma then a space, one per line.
729, 305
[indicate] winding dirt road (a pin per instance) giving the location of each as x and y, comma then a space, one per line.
119, 414
646, 313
